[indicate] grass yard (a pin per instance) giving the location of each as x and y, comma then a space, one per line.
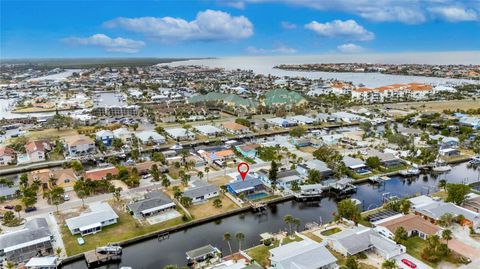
313, 237
219, 181
415, 246
331, 231
51, 133
260, 253
126, 228
207, 209
290, 239
441, 194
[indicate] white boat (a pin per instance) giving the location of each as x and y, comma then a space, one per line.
475, 160
441, 167
410, 172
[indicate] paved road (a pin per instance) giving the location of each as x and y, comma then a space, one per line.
400, 264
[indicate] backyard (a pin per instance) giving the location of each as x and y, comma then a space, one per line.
261, 253
207, 209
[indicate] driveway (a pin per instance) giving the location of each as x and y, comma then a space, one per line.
400, 264
464, 249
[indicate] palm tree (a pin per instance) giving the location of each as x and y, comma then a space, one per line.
207, 169
389, 264
227, 236
200, 175
447, 235
442, 184
288, 219
240, 237
296, 222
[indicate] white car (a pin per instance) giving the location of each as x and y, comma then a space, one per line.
66, 197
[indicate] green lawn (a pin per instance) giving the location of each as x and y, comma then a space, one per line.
288, 239
261, 253
126, 228
331, 231
415, 246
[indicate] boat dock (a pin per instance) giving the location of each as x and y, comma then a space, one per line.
101, 256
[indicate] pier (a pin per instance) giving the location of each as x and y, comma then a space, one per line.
94, 259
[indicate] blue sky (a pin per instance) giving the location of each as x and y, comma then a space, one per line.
187, 28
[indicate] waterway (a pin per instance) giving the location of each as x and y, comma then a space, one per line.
157, 254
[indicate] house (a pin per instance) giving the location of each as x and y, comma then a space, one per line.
251, 185
105, 136
414, 225
144, 167
208, 130
386, 159
359, 239
150, 137
180, 134
220, 155
281, 122
314, 165
49, 178
248, 150
356, 165
285, 179
201, 191
153, 203
99, 216
235, 128
449, 152
100, 173
303, 254
78, 145
123, 134
346, 117
7, 155
446, 141
435, 210
36, 150
301, 142
302, 120
32, 241
8, 193
473, 122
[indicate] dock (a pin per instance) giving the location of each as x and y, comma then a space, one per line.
95, 259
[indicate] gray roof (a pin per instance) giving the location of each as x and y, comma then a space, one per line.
201, 251
353, 162
99, 213
8, 191
437, 209
358, 239
316, 165
240, 185
201, 190
34, 229
302, 255
152, 200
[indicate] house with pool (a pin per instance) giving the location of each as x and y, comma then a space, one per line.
252, 188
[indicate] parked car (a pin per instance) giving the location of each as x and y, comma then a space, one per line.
409, 263
30, 209
66, 197
10, 207
80, 241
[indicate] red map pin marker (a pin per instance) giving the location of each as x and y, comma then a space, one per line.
243, 169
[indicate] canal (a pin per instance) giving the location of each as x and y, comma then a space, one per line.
157, 254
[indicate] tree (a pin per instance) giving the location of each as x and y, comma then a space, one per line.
446, 220
217, 203
272, 174
447, 235
227, 237
17, 209
401, 235
117, 143
296, 222
457, 193
134, 126
200, 175
58, 252
8, 217
76, 166
288, 219
165, 181
442, 184
298, 131
10, 265
56, 196
117, 194
207, 169
373, 162
82, 190
186, 201
158, 157
389, 264
135, 154
348, 209
155, 172
351, 263
177, 193
435, 250
314, 176
295, 186
185, 179
240, 237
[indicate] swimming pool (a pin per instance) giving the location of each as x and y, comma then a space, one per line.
256, 196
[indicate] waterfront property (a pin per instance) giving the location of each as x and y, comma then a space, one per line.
180, 134
285, 179
100, 215
153, 203
208, 130
100, 173
49, 262
32, 241
248, 150
249, 186
105, 137
123, 134
201, 191
235, 128
302, 254
436, 209
37, 150
356, 165
360, 239
150, 138
78, 145
314, 165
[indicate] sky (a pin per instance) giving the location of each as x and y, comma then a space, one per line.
216, 28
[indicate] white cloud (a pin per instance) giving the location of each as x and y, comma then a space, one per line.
282, 49
455, 14
234, 4
405, 11
350, 48
348, 29
209, 25
118, 44
288, 25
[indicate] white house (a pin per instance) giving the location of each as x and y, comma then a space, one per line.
304, 120
100, 215
79, 145
208, 130
180, 134
123, 134
302, 254
201, 191
150, 137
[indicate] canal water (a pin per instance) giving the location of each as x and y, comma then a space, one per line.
157, 254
